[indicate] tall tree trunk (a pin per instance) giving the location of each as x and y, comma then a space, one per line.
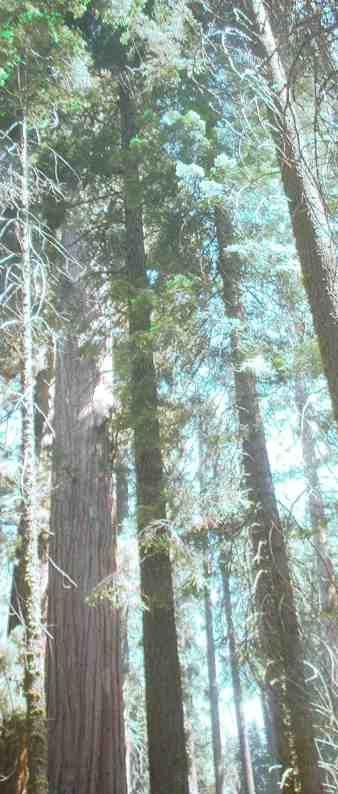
31, 593
246, 770
41, 399
85, 714
314, 241
213, 687
168, 765
279, 633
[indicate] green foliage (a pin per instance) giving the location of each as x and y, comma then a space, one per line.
35, 42
307, 358
198, 145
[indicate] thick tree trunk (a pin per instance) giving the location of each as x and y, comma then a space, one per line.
168, 765
31, 593
246, 770
85, 715
213, 688
279, 634
314, 241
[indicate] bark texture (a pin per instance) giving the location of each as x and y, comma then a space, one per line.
313, 237
246, 770
278, 625
41, 398
168, 765
85, 714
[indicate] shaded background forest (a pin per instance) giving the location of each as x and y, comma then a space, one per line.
169, 397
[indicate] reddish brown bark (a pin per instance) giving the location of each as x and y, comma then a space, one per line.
85, 716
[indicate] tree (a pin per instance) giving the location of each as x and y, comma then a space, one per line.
31, 604
143, 129
312, 232
28, 38
166, 740
279, 632
41, 408
84, 695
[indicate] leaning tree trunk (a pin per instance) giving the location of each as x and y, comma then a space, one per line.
85, 714
31, 594
279, 633
212, 681
168, 765
246, 770
313, 237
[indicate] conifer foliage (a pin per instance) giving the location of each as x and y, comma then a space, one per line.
168, 397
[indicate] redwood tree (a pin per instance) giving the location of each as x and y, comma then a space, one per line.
85, 716
168, 765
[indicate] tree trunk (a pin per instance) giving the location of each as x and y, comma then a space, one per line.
246, 770
213, 688
31, 594
85, 715
41, 398
279, 634
168, 765
313, 237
